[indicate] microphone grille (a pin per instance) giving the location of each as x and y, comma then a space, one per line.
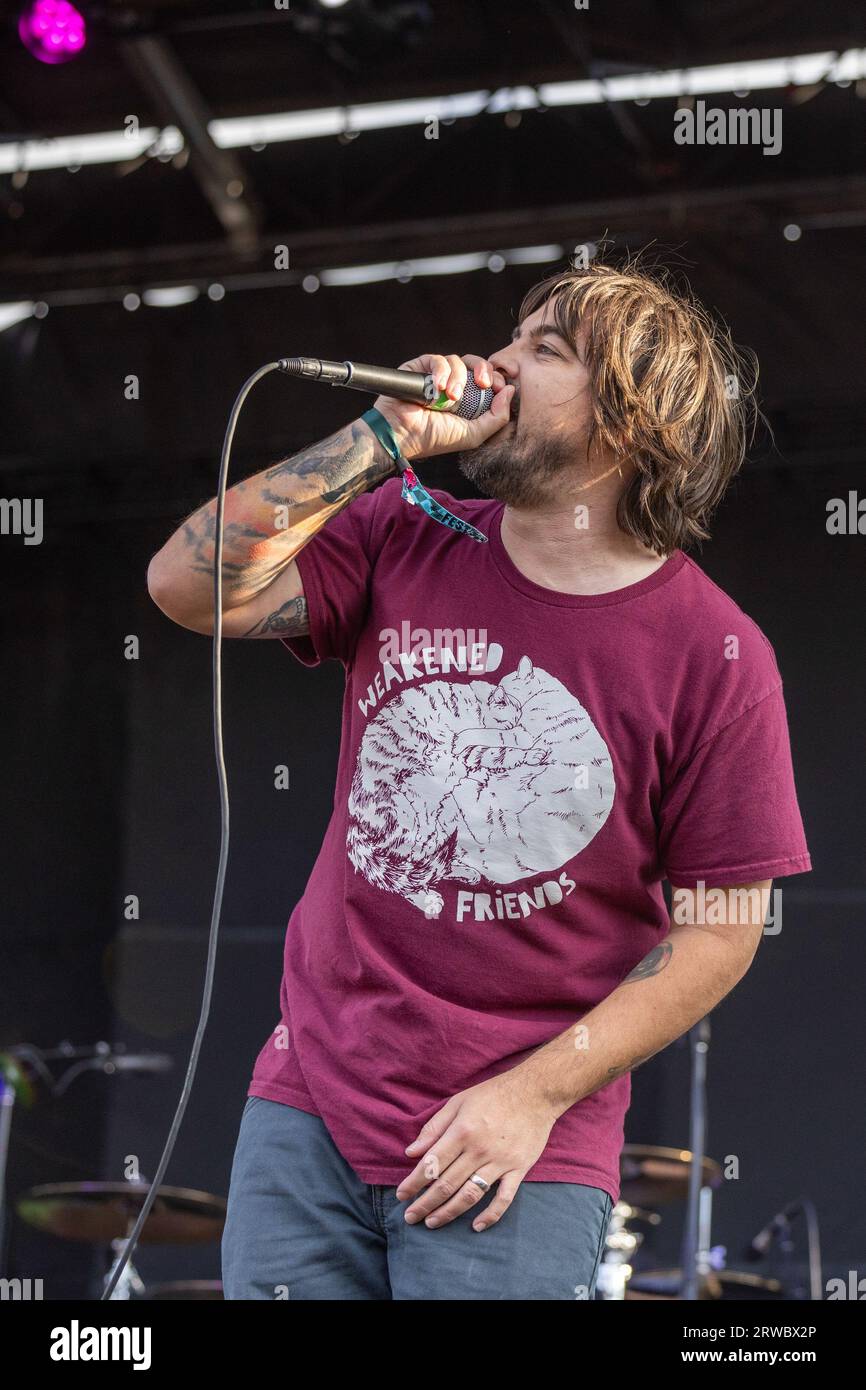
474, 401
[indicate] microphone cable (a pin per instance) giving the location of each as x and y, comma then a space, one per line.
222, 779
413, 492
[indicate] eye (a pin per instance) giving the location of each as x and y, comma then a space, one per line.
542, 347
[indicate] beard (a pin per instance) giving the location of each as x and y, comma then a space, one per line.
521, 469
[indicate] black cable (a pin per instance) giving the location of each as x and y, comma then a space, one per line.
224, 831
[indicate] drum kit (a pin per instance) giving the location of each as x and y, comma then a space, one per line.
104, 1213
653, 1180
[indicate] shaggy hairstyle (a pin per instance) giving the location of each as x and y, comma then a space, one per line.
670, 392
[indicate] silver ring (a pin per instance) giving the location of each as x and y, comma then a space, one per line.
482, 1182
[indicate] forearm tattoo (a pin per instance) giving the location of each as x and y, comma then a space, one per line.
199, 534
289, 621
652, 964
316, 483
331, 466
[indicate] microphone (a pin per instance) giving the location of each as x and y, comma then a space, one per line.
136, 1062
758, 1247
391, 381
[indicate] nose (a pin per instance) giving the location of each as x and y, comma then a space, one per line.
505, 361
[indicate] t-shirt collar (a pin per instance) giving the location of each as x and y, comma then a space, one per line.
513, 576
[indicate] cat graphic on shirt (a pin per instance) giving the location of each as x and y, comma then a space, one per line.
471, 781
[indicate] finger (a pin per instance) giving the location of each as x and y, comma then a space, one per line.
442, 371
484, 372
496, 417
418, 364
432, 1165
435, 1127
439, 1148
449, 1183
431, 364
505, 1194
467, 1194
457, 374
500, 406
480, 368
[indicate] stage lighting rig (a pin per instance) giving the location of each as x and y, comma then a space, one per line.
52, 30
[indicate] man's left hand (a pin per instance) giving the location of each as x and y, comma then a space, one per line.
496, 1131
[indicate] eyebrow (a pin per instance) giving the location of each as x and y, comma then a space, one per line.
543, 332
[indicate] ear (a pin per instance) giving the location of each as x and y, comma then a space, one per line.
525, 667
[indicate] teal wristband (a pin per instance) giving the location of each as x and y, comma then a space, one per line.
413, 490
385, 435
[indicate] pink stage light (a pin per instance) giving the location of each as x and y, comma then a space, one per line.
52, 30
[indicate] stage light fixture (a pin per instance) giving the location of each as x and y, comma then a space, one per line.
52, 30
258, 131
169, 296
14, 313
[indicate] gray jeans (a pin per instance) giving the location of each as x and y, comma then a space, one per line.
302, 1225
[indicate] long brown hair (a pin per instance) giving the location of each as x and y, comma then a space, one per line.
670, 392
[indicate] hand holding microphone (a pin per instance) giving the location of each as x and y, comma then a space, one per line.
422, 431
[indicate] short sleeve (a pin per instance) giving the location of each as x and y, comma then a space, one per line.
336, 568
731, 814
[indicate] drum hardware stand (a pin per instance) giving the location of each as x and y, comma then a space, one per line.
696, 1261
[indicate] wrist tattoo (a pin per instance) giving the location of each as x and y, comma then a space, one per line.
629, 1066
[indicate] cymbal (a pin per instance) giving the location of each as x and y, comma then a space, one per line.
627, 1215
100, 1212
737, 1283
186, 1289
652, 1176
726, 1284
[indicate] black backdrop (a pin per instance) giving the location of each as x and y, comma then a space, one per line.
108, 762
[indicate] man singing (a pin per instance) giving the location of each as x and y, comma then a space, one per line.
547, 713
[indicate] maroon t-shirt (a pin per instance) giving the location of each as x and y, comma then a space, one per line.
519, 770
